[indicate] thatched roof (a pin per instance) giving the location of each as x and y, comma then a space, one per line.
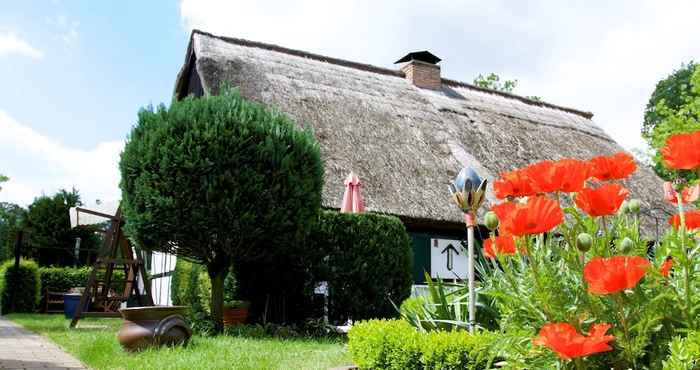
405, 143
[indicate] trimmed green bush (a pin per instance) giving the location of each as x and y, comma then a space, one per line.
369, 263
62, 279
395, 344
180, 282
456, 350
217, 178
365, 258
191, 287
385, 344
23, 282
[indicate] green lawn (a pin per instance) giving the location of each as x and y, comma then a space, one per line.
94, 342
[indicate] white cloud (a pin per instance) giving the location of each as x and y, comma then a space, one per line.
37, 164
601, 57
10, 43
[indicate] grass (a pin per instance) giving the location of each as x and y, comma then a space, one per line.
94, 342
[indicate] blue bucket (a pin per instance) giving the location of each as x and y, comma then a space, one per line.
71, 301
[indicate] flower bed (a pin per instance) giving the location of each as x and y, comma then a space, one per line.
577, 286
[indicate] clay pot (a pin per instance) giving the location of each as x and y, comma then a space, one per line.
235, 316
153, 326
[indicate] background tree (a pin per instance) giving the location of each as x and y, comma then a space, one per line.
3, 178
674, 107
51, 238
673, 90
493, 81
11, 219
217, 178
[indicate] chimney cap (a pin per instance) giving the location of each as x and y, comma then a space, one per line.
423, 56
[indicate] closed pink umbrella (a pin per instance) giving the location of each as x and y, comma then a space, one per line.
352, 200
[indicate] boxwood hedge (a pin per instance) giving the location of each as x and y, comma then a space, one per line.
367, 262
19, 287
396, 345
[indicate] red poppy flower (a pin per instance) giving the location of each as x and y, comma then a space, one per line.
682, 151
601, 201
514, 184
692, 220
538, 215
688, 195
502, 211
543, 176
666, 266
573, 174
614, 274
563, 339
504, 245
614, 167
566, 175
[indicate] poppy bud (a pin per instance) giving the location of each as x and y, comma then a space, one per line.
634, 206
491, 220
584, 242
624, 208
626, 245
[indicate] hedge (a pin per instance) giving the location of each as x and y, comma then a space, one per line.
396, 345
369, 263
191, 287
365, 258
62, 279
23, 282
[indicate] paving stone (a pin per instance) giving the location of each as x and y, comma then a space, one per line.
21, 349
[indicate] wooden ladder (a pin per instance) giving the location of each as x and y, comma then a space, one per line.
118, 253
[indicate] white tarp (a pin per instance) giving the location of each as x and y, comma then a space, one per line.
82, 218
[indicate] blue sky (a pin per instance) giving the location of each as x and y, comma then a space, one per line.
75, 72
100, 63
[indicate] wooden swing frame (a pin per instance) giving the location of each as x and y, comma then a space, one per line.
98, 290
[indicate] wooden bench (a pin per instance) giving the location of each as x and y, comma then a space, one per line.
53, 299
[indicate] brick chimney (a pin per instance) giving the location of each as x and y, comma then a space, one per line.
421, 69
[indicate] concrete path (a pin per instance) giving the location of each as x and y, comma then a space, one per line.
22, 349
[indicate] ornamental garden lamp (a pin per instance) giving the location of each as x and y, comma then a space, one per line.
469, 191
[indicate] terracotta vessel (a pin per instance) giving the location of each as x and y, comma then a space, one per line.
153, 326
235, 316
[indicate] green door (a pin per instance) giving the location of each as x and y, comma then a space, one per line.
421, 257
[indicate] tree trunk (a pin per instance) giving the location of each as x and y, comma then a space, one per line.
217, 273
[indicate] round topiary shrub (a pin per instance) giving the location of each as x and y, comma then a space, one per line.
19, 287
219, 177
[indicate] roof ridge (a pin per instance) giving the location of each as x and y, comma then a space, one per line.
384, 71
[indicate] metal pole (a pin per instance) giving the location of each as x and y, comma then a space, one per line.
76, 252
470, 276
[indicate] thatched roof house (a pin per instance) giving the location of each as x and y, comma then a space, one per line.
405, 132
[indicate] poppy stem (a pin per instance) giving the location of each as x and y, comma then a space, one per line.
681, 215
578, 363
535, 273
625, 329
686, 265
605, 229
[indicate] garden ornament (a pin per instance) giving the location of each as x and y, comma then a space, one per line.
469, 192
